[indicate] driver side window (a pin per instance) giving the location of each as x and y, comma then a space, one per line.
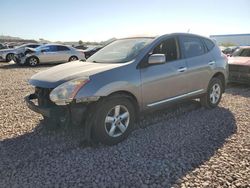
168, 48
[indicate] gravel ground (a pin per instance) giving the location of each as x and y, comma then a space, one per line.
183, 146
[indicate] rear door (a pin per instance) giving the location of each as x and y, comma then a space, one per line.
200, 62
163, 82
63, 53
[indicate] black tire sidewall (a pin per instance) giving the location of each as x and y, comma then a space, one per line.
99, 132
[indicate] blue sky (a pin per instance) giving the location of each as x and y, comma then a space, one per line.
96, 20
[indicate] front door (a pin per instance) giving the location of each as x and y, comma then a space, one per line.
164, 82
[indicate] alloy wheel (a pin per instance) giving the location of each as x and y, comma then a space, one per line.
11, 57
33, 61
73, 59
117, 121
215, 93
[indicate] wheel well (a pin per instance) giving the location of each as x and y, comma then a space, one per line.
222, 78
131, 97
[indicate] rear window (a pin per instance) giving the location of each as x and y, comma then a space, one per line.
192, 46
209, 44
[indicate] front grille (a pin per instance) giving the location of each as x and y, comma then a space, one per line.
43, 96
239, 68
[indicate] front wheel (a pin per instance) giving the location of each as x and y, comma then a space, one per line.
114, 120
33, 61
214, 92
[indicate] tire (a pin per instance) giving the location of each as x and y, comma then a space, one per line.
32, 61
115, 129
73, 58
214, 92
10, 57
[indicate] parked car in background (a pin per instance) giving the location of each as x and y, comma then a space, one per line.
127, 77
91, 50
239, 66
81, 47
230, 50
9, 54
2, 46
50, 53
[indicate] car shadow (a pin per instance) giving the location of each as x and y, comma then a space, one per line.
238, 89
181, 139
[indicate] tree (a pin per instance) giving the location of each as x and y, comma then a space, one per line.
80, 42
227, 44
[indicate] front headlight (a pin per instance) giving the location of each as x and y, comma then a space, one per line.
65, 93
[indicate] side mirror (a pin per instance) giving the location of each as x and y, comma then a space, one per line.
157, 59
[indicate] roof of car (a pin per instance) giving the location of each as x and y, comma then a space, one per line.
169, 34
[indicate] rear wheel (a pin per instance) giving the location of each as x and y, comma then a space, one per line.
214, 92
114, 120
73, 58
33, 61
10, 57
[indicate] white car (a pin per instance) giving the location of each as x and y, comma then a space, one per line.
50, 53
9, 54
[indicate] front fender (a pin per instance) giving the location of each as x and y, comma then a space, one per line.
90, 94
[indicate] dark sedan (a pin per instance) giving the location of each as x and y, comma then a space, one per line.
91, 50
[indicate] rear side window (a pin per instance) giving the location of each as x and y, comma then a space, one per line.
192, 46
62, 48
169, 48
209, 44
33, 46
49, 49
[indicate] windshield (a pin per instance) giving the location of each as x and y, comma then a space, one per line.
120, 51
244, 52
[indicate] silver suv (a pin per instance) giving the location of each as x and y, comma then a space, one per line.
127, 77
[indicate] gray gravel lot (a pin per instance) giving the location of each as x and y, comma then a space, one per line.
182, 146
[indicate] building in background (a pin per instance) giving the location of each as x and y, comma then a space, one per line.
232, 40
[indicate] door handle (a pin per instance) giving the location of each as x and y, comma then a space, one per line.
211, 63
182, 69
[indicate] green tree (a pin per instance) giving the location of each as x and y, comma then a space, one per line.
80, 42
227, 44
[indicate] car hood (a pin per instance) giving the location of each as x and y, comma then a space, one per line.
57, 75
239, 61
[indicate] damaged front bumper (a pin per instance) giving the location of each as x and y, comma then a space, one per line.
74, 112
45, 111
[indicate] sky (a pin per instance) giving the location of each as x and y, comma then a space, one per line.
99, 20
